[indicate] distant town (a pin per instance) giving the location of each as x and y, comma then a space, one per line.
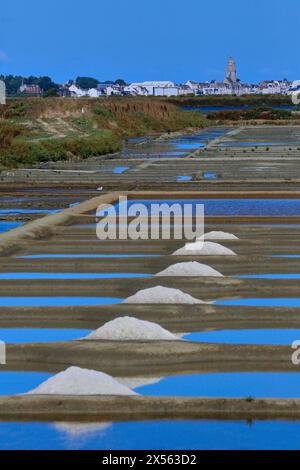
93, 88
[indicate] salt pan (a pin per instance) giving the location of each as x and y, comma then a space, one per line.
191, 268
161, 295
201, 248
77, 381
131, 329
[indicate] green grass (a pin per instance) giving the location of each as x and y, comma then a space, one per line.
35, 130
22, 152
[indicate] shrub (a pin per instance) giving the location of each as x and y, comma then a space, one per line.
31, 153
102, 112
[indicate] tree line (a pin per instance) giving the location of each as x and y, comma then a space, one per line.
47, 85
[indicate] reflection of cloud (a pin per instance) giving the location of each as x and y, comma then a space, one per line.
74, 430
3, 56
136, 382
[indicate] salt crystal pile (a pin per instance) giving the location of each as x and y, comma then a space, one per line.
191, 268
77, 381
218, 236
201, 248
131, 329
161, 295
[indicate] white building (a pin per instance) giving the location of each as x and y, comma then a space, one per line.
136, 90
218, 88
153, 88
77, 92
93, 93
196, 87
109, 89
274, 87
296, 85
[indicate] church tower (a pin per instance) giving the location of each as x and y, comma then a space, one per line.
230, 76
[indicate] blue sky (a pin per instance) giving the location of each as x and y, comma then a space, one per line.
154, 39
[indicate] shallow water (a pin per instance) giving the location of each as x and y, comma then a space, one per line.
40, 335
209, 175
13, 276
281, 336
57, 301
270, 276
210, 109
167, 434
228, 384
12, 383
16, 211
151, 148
262, 302
6, 226
184, 178
286, 256
256, 144
137, 139
152, 435
185, 145
233, 207
120, 169
81, 255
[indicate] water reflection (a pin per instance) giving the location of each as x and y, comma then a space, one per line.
154, 435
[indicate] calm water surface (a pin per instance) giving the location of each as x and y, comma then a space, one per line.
14, 276
57, 301
5, 226
152, 435
85, 255
228, 384
40, 335
265, 336
233, 207
262, 302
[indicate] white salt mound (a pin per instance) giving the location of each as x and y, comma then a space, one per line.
131, 329
161, 295
191, 268
204, 249
77, 381
218, 236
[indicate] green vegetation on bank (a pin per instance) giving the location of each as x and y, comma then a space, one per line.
22, 152
259, 113
231, 100
37, 130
